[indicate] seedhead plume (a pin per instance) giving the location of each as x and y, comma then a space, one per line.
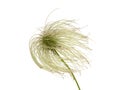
60, 48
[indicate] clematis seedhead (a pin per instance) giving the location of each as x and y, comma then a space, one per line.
65, 38
60, 48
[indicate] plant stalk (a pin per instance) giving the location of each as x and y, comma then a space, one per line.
73, 76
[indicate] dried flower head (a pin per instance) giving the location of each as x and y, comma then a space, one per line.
59, 48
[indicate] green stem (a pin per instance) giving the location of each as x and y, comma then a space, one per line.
74, 78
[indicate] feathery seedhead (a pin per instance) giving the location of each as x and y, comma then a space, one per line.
64, 38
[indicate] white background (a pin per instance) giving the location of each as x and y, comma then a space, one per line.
19, 19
